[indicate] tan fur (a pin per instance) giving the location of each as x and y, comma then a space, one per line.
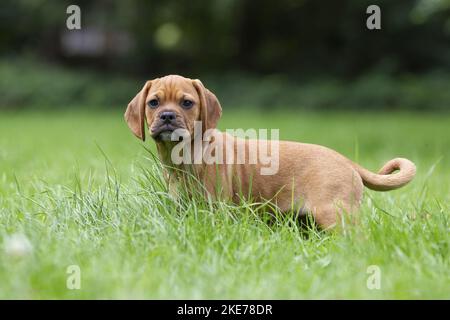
311, 178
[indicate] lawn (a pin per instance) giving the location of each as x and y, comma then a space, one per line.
76, 188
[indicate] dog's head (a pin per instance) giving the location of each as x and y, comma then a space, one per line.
170, 103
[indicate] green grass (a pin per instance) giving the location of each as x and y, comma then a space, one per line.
79, 186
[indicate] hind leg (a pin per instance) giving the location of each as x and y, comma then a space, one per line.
325, 217
339, 212
337, 204
334, 215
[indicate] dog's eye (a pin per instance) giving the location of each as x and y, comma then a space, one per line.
187, 104
153, 103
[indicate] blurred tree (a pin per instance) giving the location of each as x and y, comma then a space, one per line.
297, 37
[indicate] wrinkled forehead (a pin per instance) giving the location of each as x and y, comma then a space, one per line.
172, 88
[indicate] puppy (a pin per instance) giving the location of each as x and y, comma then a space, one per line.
310, 178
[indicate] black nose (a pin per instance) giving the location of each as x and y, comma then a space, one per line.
167, 116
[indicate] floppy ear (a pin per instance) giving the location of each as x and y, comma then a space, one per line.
211, 111
135, 113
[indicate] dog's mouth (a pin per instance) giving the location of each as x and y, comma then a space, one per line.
163, 132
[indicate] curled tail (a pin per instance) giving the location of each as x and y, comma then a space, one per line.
385, 179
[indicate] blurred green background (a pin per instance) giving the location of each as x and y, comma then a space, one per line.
306, 54
75, 182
